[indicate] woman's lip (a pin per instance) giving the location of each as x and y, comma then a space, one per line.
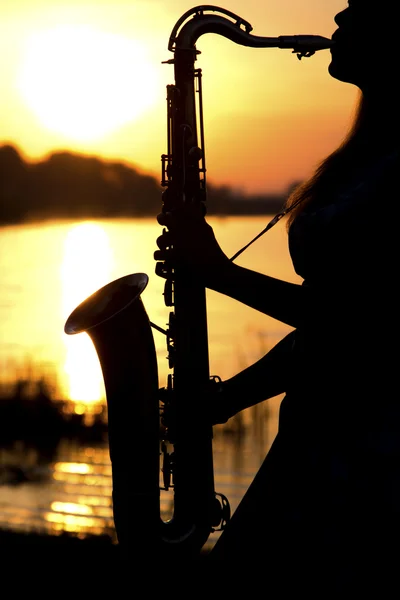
337, 34
335, 40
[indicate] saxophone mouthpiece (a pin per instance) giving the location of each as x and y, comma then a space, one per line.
305, 45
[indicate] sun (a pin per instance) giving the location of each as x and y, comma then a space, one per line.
84, 83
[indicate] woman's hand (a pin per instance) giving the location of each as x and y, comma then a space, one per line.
190, 241
218, 403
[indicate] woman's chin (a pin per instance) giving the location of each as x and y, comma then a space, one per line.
340, 73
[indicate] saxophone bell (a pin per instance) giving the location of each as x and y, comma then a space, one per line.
115, 319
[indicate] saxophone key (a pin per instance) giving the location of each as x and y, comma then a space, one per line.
168, 292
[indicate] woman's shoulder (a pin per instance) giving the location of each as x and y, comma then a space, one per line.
369, 189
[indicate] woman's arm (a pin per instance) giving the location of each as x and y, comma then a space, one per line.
281, 300
264, 379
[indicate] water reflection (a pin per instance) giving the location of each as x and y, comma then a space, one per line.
75, 495
86, 266
71, 490
54, 266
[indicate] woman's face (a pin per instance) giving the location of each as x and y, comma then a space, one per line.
364, 50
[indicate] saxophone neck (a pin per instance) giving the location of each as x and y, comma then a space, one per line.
212, 19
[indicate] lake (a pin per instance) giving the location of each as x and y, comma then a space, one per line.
49, 268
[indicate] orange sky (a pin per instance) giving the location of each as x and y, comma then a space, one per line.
86, 76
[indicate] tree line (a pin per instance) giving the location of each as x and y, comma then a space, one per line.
70, 185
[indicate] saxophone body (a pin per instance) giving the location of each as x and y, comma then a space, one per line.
168, 426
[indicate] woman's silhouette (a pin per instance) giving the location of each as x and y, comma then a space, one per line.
325, 504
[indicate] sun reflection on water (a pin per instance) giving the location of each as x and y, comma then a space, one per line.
69, 467
87, 265
80, 512
75, 524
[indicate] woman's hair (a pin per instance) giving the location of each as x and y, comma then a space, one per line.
338, 166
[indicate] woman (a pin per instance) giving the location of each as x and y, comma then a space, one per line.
325, 504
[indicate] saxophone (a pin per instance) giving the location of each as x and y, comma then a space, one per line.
168, 425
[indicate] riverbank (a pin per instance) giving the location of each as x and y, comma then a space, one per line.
30, 412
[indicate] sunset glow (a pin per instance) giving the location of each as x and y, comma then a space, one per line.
90, 76
84, 83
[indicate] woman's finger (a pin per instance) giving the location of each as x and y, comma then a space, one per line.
164, 240
164, 219
178, 219
160, 255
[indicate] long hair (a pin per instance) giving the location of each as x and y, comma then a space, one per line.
359, 144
